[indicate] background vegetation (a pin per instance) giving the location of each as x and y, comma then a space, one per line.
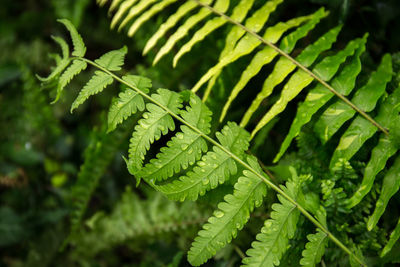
42, 146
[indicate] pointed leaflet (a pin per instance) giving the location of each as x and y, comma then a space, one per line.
272, 242
171, 22
266, 55
365, 98
135, 10
391, 184
242, 7
394, 236
283, 67
74, 69
113, 60
247, 44
148, 14
62, 64
315, 249
185, 147
231, 216
79, 46
121, 11
128, 102
319, 95
184, 29
360, 130
255, 23
94, 86
155, 122
64, 46
214, 168
387, 147
325, 69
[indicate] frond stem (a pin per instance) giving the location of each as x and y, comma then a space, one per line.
232, 155
295, 62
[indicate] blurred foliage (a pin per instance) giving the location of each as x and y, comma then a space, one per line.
41, 146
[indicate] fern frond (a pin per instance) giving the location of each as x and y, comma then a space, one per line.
273, 240
98, 156
238, 13
95, 85
165, 107
315, 249
366, 98
386, 148
214, 168
266, 55
230, 217
325, 69
128, 102
284, 67
318, 96
63, 45
185, 148
79, 46
155, 122
247, 44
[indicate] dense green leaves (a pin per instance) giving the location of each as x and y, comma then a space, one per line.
315, 249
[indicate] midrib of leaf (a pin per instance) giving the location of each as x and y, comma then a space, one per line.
232, 155
295, 62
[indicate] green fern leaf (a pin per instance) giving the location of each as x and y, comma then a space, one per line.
283, 67
64, 46
385, 149
155, 122
184, 29
184, 9
60, 64
210, 26
325, 69
123, 8
255, 23
273, 240
113, 60
230, 217
394, 236
391, 184
79, 46
185, 148
74, 69
365, 98
97, 157
214, 168
315, 249
95, 85
148, 14
266, 55
128, 102
319, 96
136, 10
247, 44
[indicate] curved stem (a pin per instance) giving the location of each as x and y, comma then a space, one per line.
298, 64
232, 155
